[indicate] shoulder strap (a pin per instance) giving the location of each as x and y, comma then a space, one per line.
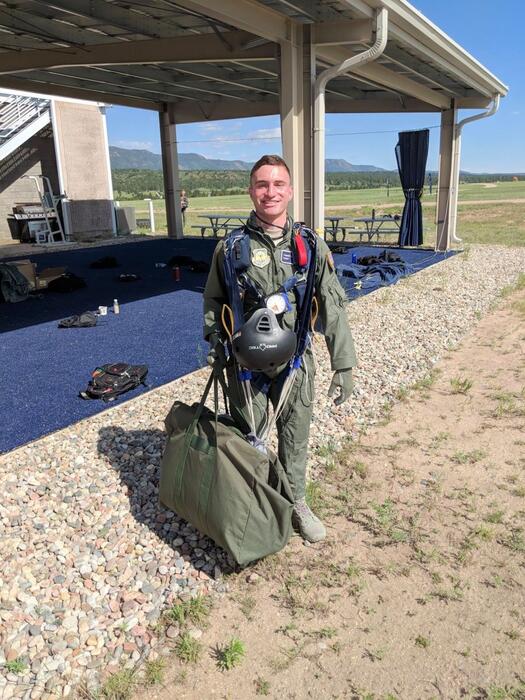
236, 261
303, 317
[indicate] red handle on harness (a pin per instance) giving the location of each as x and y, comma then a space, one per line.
301, 254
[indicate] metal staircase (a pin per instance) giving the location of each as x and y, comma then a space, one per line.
20, 118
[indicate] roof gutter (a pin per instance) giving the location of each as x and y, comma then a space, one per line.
408, 25
456, 157
346, 66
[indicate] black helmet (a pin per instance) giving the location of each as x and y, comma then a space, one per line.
261, 345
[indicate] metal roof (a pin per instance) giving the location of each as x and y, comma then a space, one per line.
213, 60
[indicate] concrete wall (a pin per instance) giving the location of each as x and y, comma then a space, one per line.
80, 133
35, 157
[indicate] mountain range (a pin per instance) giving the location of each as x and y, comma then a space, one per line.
127, 159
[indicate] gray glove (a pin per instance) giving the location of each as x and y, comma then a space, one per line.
216, 355
343, 381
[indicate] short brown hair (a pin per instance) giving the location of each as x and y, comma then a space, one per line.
269, 160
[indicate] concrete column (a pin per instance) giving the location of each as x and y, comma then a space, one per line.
295, 106
170, 167
454, 185
446, 199
82, 163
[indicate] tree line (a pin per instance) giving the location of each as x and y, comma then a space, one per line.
139, 184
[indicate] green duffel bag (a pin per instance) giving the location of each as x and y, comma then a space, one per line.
211, 476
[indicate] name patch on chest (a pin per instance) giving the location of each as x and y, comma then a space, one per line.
287, 257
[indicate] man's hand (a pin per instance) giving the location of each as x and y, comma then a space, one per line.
343, 381
216, 355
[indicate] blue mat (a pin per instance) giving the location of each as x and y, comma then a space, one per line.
358, 279
160, 325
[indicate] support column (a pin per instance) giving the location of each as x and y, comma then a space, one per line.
295, 90
454, 185
170, 167
446, 199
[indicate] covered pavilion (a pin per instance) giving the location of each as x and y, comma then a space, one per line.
200, 60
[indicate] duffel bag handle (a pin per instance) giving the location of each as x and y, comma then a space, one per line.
191, 430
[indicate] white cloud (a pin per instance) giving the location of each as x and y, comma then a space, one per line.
265, 134
138, 145
209, 128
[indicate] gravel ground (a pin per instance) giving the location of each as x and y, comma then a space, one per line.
90, 558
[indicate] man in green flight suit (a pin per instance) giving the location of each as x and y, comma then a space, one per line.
272, 263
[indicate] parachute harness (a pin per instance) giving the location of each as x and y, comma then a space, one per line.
236, 263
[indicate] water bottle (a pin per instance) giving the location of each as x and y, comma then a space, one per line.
116, 306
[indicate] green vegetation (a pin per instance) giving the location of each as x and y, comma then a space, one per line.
154, 671
503, 692
315, 498
460, 386
495, 516
422, 642
262, 686
489, 223
119, 686
15, 666
230, 654
471, 457
188, 649
196, 610
137, 184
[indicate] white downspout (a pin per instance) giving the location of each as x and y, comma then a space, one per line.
103, 109
456, 157
319, 110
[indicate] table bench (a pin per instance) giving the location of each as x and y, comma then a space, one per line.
224, 229
376, 225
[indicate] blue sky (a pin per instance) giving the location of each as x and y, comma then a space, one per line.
491, 31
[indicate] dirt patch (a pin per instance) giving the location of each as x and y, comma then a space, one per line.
418, 590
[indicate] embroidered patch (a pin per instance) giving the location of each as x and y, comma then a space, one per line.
330, 261
260, 257
287, 257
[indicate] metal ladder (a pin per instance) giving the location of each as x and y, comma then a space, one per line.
54, 231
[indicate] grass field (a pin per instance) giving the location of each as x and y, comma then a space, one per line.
484, 213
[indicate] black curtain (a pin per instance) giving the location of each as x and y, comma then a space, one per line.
411, 155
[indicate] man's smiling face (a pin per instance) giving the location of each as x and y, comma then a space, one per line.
271, 191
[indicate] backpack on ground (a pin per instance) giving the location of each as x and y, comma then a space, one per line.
13, 285
87, 319
212, 476
108, 261
110, 381
67, 282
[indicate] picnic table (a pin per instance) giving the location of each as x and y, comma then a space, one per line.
218, 222
374, 225
333, 227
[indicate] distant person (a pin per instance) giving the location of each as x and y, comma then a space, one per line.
184, 203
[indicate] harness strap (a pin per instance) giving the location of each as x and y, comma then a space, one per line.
231, 271
236, 263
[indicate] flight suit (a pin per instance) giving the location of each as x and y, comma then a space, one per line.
271, 266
